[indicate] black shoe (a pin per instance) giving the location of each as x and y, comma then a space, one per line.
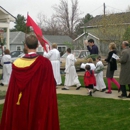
128, 96
119, 90
121, 96
94, 90
65, 89
108, 92
90, 93
1, 84
104, 89
78, 88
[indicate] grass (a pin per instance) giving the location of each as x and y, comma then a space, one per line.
2, 94
1, 108
89, 113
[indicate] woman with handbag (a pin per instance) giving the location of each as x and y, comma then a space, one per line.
112, 66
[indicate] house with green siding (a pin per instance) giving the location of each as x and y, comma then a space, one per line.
105, 29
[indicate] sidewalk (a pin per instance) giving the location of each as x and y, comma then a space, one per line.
82, 91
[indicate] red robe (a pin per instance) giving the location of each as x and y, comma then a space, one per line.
38, 103
89, 78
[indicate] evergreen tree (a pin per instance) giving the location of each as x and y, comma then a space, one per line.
20, 24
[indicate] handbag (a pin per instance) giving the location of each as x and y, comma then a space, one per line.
111, 60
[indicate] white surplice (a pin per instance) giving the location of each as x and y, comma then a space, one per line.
54, 56
71, 77
7, 69
99, 76
92, 66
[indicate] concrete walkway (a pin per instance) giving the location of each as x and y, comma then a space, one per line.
81, 91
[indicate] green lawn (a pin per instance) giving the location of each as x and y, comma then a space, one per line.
89, 113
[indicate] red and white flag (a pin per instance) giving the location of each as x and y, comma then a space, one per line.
37, 31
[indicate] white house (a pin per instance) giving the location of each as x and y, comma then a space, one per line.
5, 19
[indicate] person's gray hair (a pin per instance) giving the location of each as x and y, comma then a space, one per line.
126, 43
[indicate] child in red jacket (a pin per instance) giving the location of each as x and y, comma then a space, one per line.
89, 79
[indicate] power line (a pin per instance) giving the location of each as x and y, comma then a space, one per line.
114, 8
95, 9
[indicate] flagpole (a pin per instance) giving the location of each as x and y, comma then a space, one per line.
25, 32
26, 26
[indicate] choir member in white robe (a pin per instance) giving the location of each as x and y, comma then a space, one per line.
54, 56
100, 85
71, 77
7, 68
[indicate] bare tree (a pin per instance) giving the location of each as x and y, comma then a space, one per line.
41, 20
49, 26
53, 27
68, 19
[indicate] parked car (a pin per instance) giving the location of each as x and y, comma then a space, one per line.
80, 55
18, 54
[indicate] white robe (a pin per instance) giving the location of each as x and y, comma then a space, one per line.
92, 66
54, 56
71, 77
99, 76
7, 69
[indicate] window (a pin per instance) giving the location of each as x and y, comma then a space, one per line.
18, 48
62, 50
15, 53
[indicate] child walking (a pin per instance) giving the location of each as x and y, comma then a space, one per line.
89, 79
100, 85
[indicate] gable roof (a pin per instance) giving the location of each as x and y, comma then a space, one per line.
96, 21
59, 39
16, 37
85, 34
6, 15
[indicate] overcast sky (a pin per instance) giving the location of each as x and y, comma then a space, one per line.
94, 7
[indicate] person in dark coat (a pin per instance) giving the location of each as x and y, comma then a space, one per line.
112, 66
125, 69
93, 49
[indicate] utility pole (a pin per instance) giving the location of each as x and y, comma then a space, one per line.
104, 9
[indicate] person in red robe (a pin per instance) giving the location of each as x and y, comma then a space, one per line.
31, 101
89, 79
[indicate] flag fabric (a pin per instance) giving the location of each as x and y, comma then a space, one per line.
37, 31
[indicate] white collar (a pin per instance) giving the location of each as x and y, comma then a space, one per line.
32, 53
